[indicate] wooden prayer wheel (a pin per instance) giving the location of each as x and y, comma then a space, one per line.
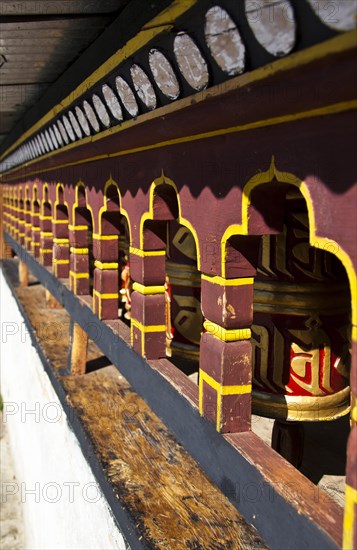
183, 290
300, 328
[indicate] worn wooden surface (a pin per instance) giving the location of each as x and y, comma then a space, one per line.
169, 498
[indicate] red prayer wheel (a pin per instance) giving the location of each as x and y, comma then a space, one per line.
183, 291
300, 328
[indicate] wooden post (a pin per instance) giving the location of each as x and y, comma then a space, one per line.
51, 301
78, 350
23, 274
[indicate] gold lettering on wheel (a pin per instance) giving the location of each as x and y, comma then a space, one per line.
263, 347
187, 322
185, 243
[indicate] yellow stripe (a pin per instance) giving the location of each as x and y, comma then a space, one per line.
349, 520
36, 229
78, 251
35, 244
354, 408
59, 221
57, 240
60, 262
148, 290
78, 227
224, 390
46, 250
105, 296
106, 265
28, 224
227, 335
145, 253
147, 328
340, 43
221, 390
42, 218
215, 279
78, 275
104, 237
46, 233
21, 234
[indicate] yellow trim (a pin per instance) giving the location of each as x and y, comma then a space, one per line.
57, 240
349, 520
354, 409
146, 253
77, 227
148, 290
42, 218
159, 24
20, 234
227, 335
215, 279
35, 244
75, 275
60, 262
106, 265
99, 237
79, 251
337, 44
46, 250
147, 328
221, 390
36, 228
314, 239
60, 221
46, 233
150, 215
75, 206
104, 208
105, 296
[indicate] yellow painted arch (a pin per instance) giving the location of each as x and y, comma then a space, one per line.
103, 208
183, 221
314, 239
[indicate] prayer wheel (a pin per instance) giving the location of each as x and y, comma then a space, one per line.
300, 327
183, 290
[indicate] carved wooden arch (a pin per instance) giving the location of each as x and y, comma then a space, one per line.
35, 198
314, 239
45, 195
170, 207
112, 183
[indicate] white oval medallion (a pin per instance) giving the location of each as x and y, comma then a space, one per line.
191, 62
224, 41
101, 110
127, 96
75, 125
112, 102
68, 127
82, 121
91, 116
143, 86
163, 74
273, 24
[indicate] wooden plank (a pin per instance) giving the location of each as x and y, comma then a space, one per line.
279, 520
